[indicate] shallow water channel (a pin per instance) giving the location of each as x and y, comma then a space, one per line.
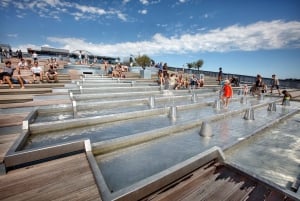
110, 130
146, 159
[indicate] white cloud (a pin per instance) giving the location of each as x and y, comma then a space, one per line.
143, 11
125, 1
12, 35
257, 36
54, 9
144, 2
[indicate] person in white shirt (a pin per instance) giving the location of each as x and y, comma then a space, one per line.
23, 64
37, 71
35, 56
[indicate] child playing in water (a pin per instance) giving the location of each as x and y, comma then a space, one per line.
245, 89
286, 97
227, 93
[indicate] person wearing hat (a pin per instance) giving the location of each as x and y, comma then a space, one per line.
275, 84
227, 93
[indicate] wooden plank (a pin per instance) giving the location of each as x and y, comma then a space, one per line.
12, 119
18, 91
216, 184
56, 179
36, 103
29, 86
184, 188
15, 98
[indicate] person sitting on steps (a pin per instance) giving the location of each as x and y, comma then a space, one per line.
51, 74
7, 75
37, 71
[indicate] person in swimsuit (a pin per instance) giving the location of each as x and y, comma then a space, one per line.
286, 97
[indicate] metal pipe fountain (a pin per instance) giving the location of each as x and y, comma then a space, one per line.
249, 114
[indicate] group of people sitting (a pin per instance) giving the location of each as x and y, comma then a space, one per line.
8, 75
118, 71
178, 81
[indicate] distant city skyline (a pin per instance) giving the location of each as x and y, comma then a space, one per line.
242, 37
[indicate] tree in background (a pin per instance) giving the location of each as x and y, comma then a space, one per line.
197, 64
143, 61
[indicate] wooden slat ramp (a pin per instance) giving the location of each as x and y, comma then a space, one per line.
68, 178
216, 182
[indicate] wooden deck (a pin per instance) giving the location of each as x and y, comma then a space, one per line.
216, 182
68, 178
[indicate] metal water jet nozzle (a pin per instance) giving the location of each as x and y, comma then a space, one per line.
217, 104
132, 83
71, 96
206, 130
272, 106
74, 109
249, 114
152, 102
194, 98
241, 92
80, 88
173, 112
243, 100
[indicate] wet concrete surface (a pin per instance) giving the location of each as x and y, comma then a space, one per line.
275, 155
127, 127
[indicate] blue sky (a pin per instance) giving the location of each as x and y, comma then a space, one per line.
244, 37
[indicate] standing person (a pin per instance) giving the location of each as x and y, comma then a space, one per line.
193, 81
165, 69
286, 97
106, 67
161, 79
245, 90
275, 84
7, 74
35, 56
20, 54
260, 86
80, 57
227, 93
220, 76
0, 54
